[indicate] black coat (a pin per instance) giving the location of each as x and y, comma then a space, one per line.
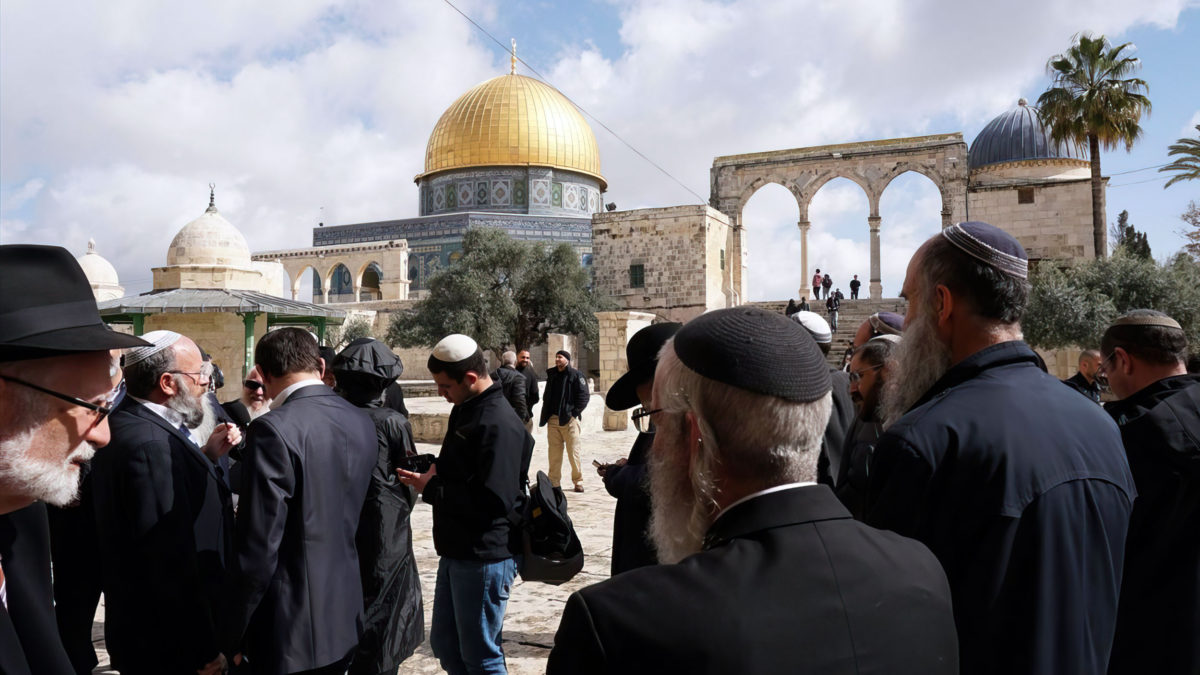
29, 642
566, 395
1080, 384
480, 474
855, 463
531, 387
1158, 621
514, 385
629, 483
297, 601
787, 583
829, 462
1022, 491
394, 624
164, 520
74, 548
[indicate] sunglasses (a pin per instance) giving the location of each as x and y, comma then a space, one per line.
252, 385
111, 399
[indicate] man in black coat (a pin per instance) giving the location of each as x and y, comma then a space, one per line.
763, 571
58, 384
164, 516
868, 374
1158, 618
525, 367
1019, 487
473, 488
296, 603
566, 397
829, 462
513, 384
1084, 380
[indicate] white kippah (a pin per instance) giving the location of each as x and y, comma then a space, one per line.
894, 339
455, 348
158, 339
817, 327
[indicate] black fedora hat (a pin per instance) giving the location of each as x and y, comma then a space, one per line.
642, 355
47, 307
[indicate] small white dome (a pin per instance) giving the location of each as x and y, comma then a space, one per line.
97, 270
209, 240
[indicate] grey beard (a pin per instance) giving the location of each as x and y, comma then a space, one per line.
191, 408
678, 520
917, 364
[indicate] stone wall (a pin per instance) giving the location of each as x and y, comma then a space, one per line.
615, 330
1056, 224
221, 335
678, 248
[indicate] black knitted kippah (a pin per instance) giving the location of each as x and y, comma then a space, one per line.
756, 350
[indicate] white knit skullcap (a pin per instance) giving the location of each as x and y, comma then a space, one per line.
817, 327
158, 339
455, 348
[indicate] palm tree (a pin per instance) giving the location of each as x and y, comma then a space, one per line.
1188, 164
1092, 99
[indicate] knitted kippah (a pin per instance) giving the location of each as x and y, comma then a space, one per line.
158, 339
756, 350
886, 323
454, 348
991, 246
1144, 319
817, 327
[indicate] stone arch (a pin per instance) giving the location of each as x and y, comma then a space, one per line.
934, 177
339, 282
368, 279
296, 272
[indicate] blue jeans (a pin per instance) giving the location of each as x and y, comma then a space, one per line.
468, 614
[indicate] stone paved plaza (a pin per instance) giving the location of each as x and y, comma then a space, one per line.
534, 608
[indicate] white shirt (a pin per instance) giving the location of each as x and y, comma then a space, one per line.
283, 395
752, 495
170, 415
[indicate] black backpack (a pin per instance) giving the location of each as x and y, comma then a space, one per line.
545, 539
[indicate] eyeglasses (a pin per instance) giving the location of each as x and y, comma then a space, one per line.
1102, 369
111, 399
856, 375
205, 373
252, 385
642, 421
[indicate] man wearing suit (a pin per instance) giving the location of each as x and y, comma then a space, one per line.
296, 603
58, 383
164, 519
764, 571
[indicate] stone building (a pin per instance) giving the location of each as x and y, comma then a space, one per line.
100, 273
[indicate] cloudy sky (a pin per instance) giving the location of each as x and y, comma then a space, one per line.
115, 116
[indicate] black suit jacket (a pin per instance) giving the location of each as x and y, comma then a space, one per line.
297, 601
164, 521
787, 583
29, 643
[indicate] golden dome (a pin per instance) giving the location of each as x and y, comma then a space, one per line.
513, 120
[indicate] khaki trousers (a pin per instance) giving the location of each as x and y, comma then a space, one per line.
556, 437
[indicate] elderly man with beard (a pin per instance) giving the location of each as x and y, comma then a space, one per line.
59, 380
764, 571
163, 515
869, 372
1021, 490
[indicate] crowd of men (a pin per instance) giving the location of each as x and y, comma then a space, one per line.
942, 505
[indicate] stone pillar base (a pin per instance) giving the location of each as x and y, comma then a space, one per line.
876, 290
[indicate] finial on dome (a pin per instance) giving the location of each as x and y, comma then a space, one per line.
212, 198
513, 62
91, 245
1022, 102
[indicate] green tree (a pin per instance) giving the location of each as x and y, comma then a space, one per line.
358, 327
1187, 165
502, 292
1192, 232
1127, 236
1093, 101
1073, 306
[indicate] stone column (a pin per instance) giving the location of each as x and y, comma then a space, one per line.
804, 279
615, 330
876, 281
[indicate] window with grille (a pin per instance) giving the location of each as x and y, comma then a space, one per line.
1024, 195
637, 276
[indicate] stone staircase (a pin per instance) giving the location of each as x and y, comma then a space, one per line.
850, 316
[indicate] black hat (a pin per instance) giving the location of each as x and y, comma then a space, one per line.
642, 355
756, 350
565, 354
47, 307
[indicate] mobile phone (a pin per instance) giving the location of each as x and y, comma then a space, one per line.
416, 463
596, 463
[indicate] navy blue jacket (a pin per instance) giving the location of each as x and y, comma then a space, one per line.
1021, 489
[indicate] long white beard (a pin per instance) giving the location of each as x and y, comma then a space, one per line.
52, 481
678, 520
204, 428
920, 361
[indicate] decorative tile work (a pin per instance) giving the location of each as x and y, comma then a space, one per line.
481, 193
439, 199
556, 194
541, 192
451, 197
593, 201
519, 193
501, 192
571, 197
466, 194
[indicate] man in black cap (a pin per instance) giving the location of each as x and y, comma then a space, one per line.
1158, 618
772, 573
1021, 491
1085, 380
59, 380
626, 478
566, 397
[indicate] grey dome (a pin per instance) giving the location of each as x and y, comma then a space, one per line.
1015, 136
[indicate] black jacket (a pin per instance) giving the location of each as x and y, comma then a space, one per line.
74, 548
629, 483
394, 623
296, 601
29, 642
787, 583
1022, 491
829, 462
1158, 621
1080, 384
479, 477
515, 387
164, 520
566, 395
851, 484
531, 387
